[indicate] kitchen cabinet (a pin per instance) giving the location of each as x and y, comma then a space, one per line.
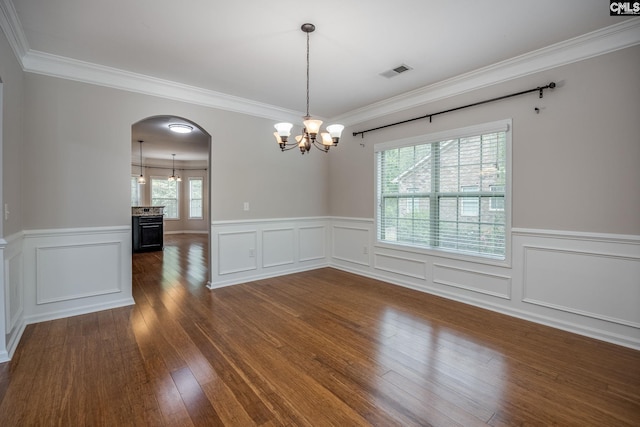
147, 233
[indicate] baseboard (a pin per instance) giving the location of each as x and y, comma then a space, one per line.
262, 276
77, 311
12, 345
186, 232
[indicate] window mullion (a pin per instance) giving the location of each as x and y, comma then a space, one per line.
434, 200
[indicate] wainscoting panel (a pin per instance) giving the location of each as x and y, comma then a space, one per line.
278, 247
472, 280
312, 245
351, 243
244, 251
599, 285
401, 265
237, 251
67, 272
76, 271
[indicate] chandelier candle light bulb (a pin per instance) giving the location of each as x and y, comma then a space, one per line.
311, 127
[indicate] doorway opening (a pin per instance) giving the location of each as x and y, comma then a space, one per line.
171, 169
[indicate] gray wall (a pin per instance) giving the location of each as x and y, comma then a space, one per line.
576, 165
12, 79
77, 142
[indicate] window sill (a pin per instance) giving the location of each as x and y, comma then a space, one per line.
441, 253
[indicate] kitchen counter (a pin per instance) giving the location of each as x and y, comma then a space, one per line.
147, 210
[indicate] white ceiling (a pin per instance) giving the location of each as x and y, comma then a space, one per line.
255, 50
160, 143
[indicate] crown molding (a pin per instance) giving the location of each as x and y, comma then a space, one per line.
599, 42
72, 69
12, 28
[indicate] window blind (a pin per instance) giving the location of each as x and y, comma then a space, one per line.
445, 194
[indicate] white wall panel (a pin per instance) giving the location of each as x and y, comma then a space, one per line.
278, 247
14, 296
472, 280
75, 271
599, 285
68, 272
236, 251
251, 250
351, 244
312, 243
401, 265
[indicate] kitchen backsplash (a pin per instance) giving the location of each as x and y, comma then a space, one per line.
146, 210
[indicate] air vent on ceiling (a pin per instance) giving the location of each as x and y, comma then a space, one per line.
396, 71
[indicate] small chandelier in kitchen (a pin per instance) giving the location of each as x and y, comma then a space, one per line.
311, 134
173, 176
141, 179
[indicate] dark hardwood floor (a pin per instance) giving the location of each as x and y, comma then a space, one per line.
317, 348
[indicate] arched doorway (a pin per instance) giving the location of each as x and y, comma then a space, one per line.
175, 167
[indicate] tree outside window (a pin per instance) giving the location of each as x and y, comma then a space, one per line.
165, 193
445, 195
195, 198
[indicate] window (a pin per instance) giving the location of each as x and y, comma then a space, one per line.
446, 191
469, 205
497, 203
135, 191
195, 198
165, 193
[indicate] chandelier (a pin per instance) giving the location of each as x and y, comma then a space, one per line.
173, 176
311, 134
141, 179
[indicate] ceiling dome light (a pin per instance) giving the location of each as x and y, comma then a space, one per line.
180, 128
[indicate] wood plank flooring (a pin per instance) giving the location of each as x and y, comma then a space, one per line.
320, 348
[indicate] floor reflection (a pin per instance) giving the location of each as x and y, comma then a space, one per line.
185, 258
428, 363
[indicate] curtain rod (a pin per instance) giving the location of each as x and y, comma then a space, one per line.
539, 89
168, 168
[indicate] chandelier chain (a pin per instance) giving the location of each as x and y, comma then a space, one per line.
308, 75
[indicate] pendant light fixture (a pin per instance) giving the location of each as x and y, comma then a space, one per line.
141, 179
173, 176
311, 134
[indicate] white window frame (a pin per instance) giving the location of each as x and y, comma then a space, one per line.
469, 206
492, 202
177, 183
201, 179
497, 126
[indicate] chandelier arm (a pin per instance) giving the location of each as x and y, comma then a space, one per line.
289, 146
321, 147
